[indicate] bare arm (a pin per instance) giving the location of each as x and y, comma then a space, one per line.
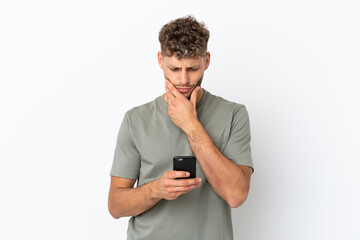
228, 179
124, 200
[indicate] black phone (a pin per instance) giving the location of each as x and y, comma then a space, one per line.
185, 163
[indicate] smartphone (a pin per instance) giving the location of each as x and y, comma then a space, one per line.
185, 163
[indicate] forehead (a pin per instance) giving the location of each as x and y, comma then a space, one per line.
186, 62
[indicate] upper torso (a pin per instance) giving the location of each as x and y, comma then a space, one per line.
201, 213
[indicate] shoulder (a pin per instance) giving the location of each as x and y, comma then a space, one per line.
141, 110
224, 105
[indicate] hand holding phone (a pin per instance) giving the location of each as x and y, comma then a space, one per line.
172, 184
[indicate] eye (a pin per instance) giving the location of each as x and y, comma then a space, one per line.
174, 69
194, 69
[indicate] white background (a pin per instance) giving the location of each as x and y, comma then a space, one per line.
70, 69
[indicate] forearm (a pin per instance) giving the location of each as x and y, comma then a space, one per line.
132, 201
226, 178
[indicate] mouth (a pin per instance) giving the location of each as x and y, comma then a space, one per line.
184, 90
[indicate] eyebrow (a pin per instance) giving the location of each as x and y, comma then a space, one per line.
195, 66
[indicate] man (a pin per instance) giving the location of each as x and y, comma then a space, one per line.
186, 121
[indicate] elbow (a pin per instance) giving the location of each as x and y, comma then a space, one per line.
237, 200
115, 214
235, 203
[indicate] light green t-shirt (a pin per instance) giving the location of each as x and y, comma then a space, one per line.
146, 144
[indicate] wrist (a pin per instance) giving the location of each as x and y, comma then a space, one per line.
153, 190
192, 127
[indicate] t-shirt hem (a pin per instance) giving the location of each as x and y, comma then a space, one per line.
123, 175
244, 163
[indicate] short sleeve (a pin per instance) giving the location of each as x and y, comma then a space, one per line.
126, 162
238, 147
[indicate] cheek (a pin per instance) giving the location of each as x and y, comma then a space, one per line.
167, 75
196, 77
172, 76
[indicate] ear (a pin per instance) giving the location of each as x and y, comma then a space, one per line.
160, 60
207, 60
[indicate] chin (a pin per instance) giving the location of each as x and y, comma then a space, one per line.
187, 95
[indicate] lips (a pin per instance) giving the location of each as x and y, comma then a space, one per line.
184, 90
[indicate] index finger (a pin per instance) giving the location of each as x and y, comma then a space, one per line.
172, 89
178, 174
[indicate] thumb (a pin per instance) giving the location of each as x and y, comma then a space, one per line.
194, 94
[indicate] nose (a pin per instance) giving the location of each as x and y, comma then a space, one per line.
184, 78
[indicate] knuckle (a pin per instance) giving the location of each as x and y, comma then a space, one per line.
167, 183
170, 174
173, 174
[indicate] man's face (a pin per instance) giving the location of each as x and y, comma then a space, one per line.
186, 73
